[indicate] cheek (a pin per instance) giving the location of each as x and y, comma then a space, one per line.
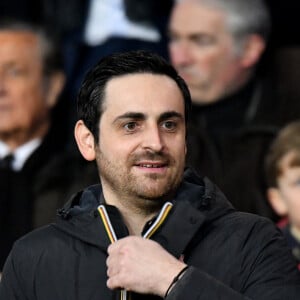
295, 199
178, 147
34, 108
292, 198
175, 54
206, 61
222, 62
294, 210
113, 148
31, 96
227, 72
25, 110
210, 67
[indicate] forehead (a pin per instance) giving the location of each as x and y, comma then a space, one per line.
191, 17
18, 46
290, 159
143, 93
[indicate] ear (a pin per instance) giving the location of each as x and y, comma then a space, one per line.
54, 87
252, 51
85, 141
277, 202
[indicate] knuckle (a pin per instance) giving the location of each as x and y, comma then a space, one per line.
109, 283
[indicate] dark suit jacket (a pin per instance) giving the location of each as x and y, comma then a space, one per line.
29, 198
233, 155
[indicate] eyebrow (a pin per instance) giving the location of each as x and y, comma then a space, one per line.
191, 35
170, 114
130, 115
142, 116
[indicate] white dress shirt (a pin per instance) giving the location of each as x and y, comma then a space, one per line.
106, 18
21, 154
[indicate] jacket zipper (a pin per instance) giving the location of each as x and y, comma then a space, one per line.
152, 229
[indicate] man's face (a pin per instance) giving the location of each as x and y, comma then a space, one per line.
202, 50
289, 188
23, 107
141, 151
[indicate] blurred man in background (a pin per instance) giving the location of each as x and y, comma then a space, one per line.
35, 163
217, 46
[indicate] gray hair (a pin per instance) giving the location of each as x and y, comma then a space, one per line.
244, 17
48, 43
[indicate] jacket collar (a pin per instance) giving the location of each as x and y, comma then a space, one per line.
197, 201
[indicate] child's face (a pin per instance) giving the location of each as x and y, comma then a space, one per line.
289, 189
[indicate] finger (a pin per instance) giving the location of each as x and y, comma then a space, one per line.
115, 247
109, 261
110, 248
119, 281
112, 266
111, 272
111, 283
116, 282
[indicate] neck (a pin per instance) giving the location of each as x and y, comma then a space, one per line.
16, 139
135, 222
135, 216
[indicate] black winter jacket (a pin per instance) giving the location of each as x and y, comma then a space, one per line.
232, 255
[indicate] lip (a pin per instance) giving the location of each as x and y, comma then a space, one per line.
5, 107
152, 166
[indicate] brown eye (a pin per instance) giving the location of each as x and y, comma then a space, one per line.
14, 72
131, 126
204, 40
169, 125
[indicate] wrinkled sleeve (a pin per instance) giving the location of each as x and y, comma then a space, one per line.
273, 275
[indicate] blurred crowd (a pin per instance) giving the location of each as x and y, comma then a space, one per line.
240, 60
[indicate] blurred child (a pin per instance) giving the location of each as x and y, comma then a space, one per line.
283, 176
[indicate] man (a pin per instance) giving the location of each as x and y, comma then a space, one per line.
216, 46
133, 109
35, 164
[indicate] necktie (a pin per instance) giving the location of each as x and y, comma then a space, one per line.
6, 161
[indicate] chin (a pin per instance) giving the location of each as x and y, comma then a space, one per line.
151, 203
156, 195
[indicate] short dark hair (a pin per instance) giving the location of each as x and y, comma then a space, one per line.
287, 141
92, 92
50, 46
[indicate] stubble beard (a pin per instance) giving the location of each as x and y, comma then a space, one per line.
147, 192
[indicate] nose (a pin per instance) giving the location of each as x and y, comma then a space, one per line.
152, 139
180, 53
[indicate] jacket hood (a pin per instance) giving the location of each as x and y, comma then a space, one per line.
197, 196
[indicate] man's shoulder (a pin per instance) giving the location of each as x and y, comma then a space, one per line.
248, 220
250, 228
36, 242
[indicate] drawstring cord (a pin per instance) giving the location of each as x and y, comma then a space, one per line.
153, 228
